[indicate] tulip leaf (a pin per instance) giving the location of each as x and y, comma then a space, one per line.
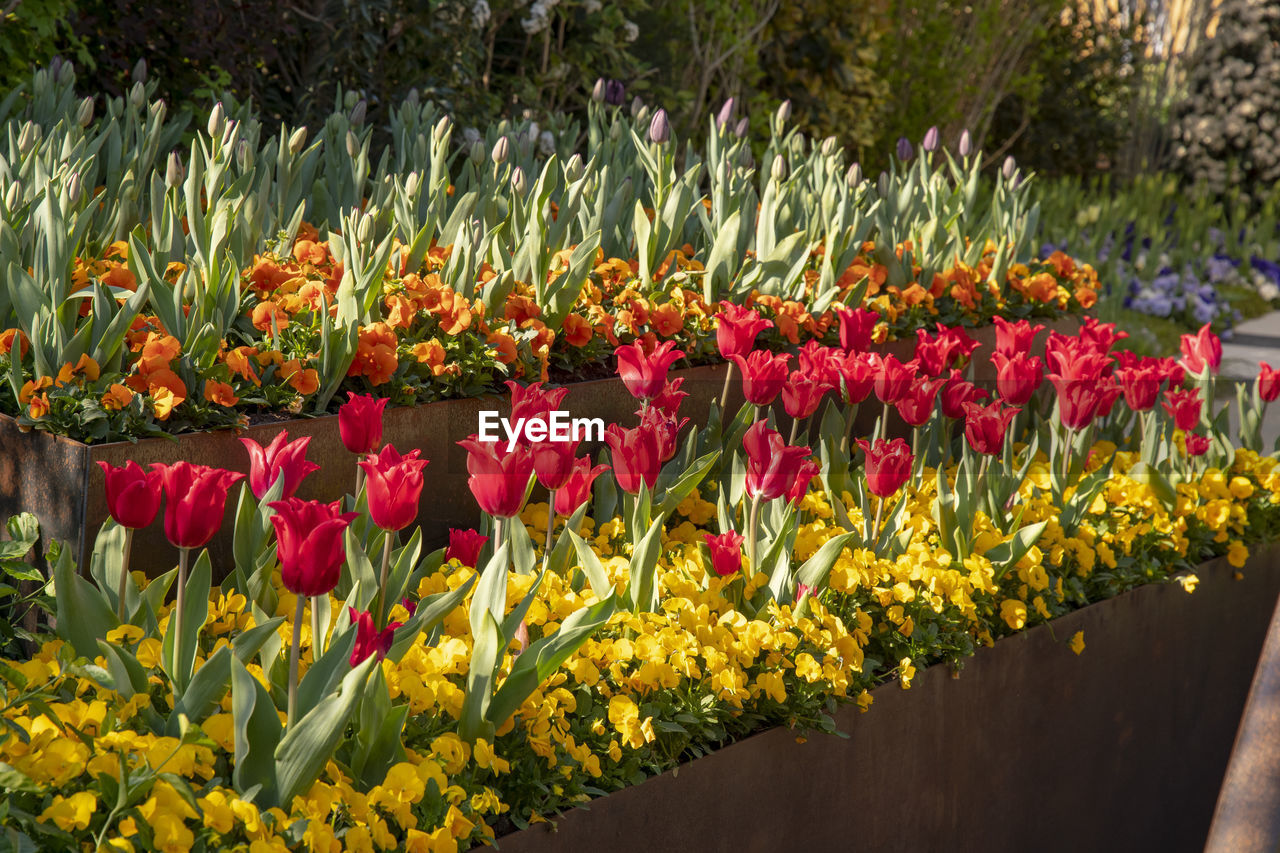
402, 563
486, 653
84, 615
431, 611
324, 674
207, 687
592, 567
179, 653
1007, 554
491, 590
559, 560
107, 562
813, 572
377, 744
256, 731
153, 596
129, 676
642, 593
523, 552
687, 482
309, 744
538, 662
364, 581
512, 623
1141, 472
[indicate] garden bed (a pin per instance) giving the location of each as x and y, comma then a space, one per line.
1120, 748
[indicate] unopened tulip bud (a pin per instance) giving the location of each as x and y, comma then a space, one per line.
966, 144
470, 135
518, 182
779, 169
359, 111
365, 229
930, 142
501, 151
411, 184
413, 96
67, 73
173, 173
353, 145
158, 109
828, 146
745, 160
217, 118
725, 114
349, 100
636, 105
784, 112
140, 71
55, 65
615, 131
854, 175
642, 115
904, 149
597, 91
84, 115
298, 140
477, 152
244, 155
441, 130
660, 128
28, 136
882, 184
574, 168
73, 188
744, 125
1009, 167
13, 196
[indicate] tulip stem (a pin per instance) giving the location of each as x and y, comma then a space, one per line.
875, 534
795, 430
753, 524
382, 580
359, 483
180, 597
551, 523
883, 426
124, 571
317, 632
724, 394
293, 663
850, 413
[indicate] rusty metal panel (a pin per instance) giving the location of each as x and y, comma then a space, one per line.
1031, 748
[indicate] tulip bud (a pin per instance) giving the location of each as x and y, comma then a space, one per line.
660, 128
615, 131
930, 142
966, 144
365, 229
470, 135
28, 136
441, 130
854, 175
784, 112
55, 65
531, 135
477, 232
84, 115
574, 168
217, 118
411, 184
642, 116
349, 100
140, 71
745, 160
518, 183
298, 140
636, 105
230, 132
779, 169
173, 173
501, 151
1009, 167
744, 125
13, 196
477, 152
904, 149
158, 110
725, 114
73, 188
828, 146
244, 155
413, 97
358, 111
597, 91
353, 145
882, 184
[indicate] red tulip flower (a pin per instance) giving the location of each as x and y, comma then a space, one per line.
772, 465
1108, 392
1201, 350
737, 328
666, 427
893, 379
888, 465
1141, 384
726, 552
133, 495
311, 549
1013, 340
804, 476
360, 423
1102, 336
280, 458
369, 640
553, 462
857, 326
1017, 378
985, 426
1184, 407
196, 499
464, 546
1197, 445
1173, 371
643, 373
499, 478
532, 402
763, 375
1074, 358
819, 362
394, 487
1078, 400
802, 394
956, 392
916, 406
938, 352
637, 456
1268, 383
671, 397
577, 490
856, 376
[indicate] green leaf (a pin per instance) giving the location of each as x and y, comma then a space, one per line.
687, 482
256, 732
431, 611
642, 592
126, 671
179, 653
207, 687
592, 567
813, 572
1007, 554
84, 614
486, 653
325, 674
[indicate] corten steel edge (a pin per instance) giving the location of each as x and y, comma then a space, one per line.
1031, 747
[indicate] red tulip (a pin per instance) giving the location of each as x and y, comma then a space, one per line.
857, 326
133, 495
1173, 371
1184, 408
985, 426
1017, 378
360, 423
643, 373
394, 487
819, 362
1201, 350
310, 539
1078, 401
893, 379
916, 406
855, 375
666, 427
737, 328
1197, 445
1108, 392
196, 499
1102, 336
1268, 383
369, 640
888, 465
553, 461
772, 466
1141, 384
726, 552
1074, 358
804, 476
956, 392
763, 375
637, 456
278, 459
499, 478
532, 402
802, 395
1013, 340
670, 398
938, 352
577, 489
464, 546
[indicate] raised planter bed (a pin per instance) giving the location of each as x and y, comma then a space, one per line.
1031, 747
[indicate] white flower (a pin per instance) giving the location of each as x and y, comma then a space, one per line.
630, 31
480, 13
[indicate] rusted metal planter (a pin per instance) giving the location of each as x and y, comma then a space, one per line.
1031, 747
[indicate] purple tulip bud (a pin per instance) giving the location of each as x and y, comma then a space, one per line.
614, 93
725, 114
659, 127
904, 149
744, 124
966, 144
930, 142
